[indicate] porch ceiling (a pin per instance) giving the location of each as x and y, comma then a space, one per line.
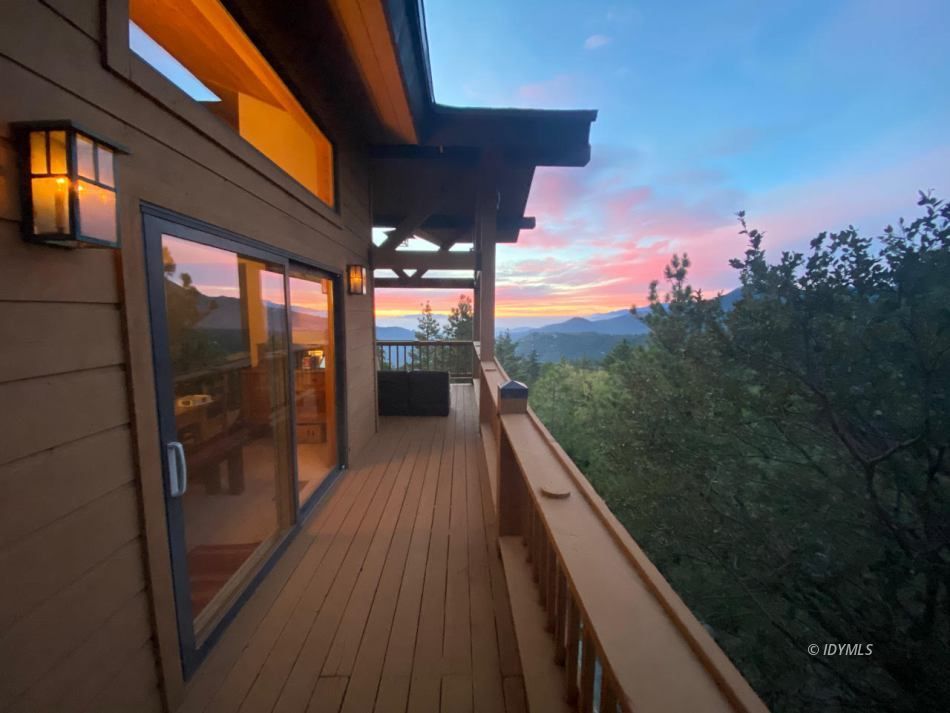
437, 182
442, 184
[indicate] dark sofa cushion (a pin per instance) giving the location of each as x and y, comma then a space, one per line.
429, 393
393, 389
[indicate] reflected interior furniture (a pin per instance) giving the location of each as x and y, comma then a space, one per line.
227, 447
310, 387
209, 440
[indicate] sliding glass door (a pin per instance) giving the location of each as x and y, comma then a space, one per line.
246, 382
312, 330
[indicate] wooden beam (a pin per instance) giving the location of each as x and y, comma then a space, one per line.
422, 260
446, 222
404, 229
440, 283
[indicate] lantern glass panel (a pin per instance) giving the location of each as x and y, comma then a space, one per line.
356, 280
57, 152
38, 152
50, 205
106, 172
97, 212
85, 157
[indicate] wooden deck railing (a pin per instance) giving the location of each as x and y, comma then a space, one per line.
625, 639
456, 357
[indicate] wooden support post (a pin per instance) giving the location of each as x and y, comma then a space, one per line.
512, 399
486, 226
476, 308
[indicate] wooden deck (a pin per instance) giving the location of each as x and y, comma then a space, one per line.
392, 597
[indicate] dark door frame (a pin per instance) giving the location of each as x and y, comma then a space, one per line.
157, 221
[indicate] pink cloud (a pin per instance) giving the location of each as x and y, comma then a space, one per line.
558, 90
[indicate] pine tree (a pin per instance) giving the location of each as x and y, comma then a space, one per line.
506, 355
429, 329
460, 320
532, 368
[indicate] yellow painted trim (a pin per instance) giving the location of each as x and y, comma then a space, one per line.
219, 53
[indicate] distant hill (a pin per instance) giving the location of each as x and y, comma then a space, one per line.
395, 334
623, 325
608, 315
579, 345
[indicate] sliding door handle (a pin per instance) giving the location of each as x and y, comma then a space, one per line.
177, 469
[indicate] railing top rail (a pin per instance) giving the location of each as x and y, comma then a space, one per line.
660, 655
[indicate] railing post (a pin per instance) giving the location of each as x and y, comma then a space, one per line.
512, 398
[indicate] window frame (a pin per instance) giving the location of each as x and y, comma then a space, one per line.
118, 57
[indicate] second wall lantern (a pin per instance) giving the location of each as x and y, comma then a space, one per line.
356, 279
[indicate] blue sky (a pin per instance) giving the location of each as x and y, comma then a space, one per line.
808, 115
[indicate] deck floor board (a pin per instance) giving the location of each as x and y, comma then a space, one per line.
390, 599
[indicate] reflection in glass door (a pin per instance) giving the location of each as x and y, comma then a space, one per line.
226, 324
312, 337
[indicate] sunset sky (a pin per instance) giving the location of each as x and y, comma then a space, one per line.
807, 115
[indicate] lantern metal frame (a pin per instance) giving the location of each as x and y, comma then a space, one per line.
74, 238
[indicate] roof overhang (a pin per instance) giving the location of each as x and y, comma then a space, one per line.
431, 168
371, 58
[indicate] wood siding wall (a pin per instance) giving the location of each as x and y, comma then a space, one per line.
86, 615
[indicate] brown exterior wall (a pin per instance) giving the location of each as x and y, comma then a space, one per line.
86, 615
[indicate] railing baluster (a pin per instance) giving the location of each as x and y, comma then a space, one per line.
538, 542
459, 358
588, 659
532, 531
552, 586
608, 697
545, 572
527, 520
560, 616
572, 626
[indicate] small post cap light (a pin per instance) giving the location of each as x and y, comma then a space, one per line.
512, 397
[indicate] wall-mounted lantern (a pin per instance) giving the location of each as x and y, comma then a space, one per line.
67, 185
356, 279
